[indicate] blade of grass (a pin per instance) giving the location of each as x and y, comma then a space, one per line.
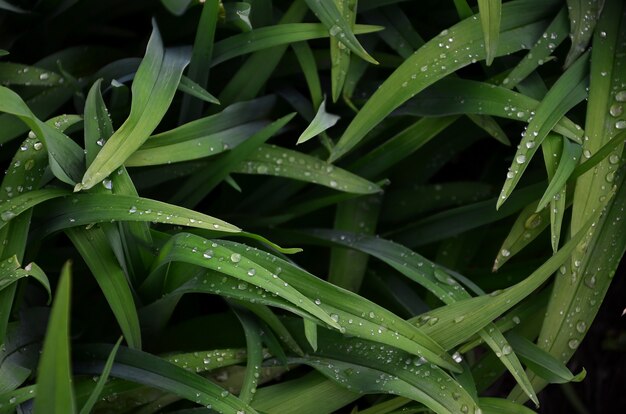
200, 62
202, 182
581, 287
569, 159
83, 209
282, 162
54, 382
322, 121
252, 332
564, 95
490, 15
425, 67
93, 247
339, 54
339, 27
102, 379
583, 16
143, 368
153, 89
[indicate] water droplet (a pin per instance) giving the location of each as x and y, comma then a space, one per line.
318, 302
516, 320
262, 169
107, 183
614, 159
12, 400
334, 317
458, 358
587, 153
590, 282
620, 124
433, 321
581, 326
44, 76
208, 254
100, 142
505, 252
224, 393
506, 350
132, 210
251, 272
573, 343
610, 176
510, 174
235, 257
7, 215
29, 164
530, 144
37, 145
335, 30
620, 96
533, 221
520, 159
616, 110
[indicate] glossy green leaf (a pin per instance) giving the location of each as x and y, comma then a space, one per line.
322, 121
18, 74
425, 67
569, 159
147, 369
338, 27
154, 86
583, 15
567, 91
281, 162
83, 209
490, 15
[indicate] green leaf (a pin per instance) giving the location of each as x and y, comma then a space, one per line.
202, 182
93, 246
518, 25
153, 89
282, 162
54, 383
18, 74
541, 362
102, 379
83, 209
200, 62
65, 156
583, 16
528, 225
566, 92
204, 137
10, 272
322, 121
338, 26
188, 86
143, 368
310, 331
253, 332
453, 96
569, 159
17, 205
339, 54
490, 15
271, 36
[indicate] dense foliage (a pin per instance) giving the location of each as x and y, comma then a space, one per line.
304, 207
